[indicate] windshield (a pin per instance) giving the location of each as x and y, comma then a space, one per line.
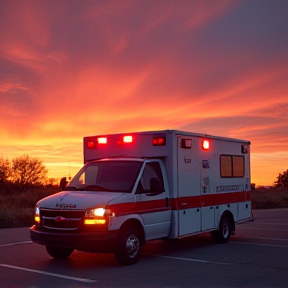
117, 176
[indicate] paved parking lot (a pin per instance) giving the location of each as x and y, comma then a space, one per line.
257, 256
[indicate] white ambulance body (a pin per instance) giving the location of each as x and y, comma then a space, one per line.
136, 187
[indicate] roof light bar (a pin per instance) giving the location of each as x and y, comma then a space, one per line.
102, 140
128, 139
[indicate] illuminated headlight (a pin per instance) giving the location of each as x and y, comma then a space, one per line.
37, 215
97, 215
98, 212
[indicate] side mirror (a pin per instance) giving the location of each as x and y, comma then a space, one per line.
63, 183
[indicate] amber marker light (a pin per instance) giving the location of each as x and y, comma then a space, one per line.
94, 221
37, 215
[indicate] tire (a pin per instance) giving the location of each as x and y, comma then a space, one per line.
59, 252
128, 248
222, 235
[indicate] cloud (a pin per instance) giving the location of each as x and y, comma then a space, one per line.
75, 68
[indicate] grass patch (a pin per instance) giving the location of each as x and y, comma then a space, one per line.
270, 198
17, 209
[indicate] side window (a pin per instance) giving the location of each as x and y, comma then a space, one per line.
231, 166
152, 171
238, 166
226, 166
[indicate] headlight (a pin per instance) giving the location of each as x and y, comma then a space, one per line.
37, 215
97, 215
95, 212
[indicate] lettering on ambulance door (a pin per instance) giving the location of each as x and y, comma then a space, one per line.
189, 214
153, 202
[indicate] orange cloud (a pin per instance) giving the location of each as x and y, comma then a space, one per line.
72, 69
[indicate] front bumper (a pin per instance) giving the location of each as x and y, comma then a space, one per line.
99, 241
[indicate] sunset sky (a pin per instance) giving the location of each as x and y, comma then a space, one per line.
72, 68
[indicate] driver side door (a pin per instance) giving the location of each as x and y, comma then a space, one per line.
153, 202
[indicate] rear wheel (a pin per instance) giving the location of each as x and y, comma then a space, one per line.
222, 235
128, 247
59, 252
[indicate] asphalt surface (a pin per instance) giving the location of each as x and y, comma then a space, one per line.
257, 256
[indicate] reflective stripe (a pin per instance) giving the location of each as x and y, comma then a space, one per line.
209, 200
177, 203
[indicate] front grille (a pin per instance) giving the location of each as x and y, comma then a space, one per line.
61, 219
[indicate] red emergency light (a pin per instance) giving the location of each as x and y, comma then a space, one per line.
91, 144
159, 141
206, 144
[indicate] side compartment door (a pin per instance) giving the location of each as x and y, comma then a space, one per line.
207, 193
153, 202
189, 212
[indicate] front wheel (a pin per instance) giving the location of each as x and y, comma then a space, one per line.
59, 252
222, 235
128, 247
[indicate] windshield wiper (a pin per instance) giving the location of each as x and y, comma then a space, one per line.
94, 188
86, 188
73, 188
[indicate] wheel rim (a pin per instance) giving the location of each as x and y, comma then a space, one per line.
132, 246
225, 230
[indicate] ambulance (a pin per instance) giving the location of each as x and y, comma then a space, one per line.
138, 187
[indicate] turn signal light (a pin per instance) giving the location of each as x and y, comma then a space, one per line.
37, 215
37, 219
94, 221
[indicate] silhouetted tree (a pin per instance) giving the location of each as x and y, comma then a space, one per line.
28, 172
52, 182
282, 179
5, 173
5, 169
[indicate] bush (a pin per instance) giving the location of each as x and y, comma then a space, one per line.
17, 209
270, 198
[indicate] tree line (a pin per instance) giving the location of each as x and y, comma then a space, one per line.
23, 173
